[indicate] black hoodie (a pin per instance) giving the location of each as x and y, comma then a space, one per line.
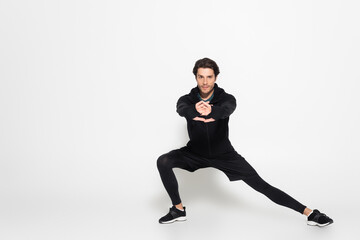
210, 139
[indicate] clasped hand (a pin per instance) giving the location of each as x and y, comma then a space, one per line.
204, 109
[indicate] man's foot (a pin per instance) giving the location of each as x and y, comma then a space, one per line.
173, 215
317, 218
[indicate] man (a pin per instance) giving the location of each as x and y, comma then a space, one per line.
207, 109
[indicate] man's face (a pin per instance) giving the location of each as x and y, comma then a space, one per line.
205, 79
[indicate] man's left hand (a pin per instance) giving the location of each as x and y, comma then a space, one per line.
203, 119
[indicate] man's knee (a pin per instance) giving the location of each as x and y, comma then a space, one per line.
163, 162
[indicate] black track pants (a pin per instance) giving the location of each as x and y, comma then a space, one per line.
232, 164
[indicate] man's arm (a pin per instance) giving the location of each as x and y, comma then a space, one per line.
186, 109
224, 110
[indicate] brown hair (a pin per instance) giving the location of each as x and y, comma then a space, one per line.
206, 63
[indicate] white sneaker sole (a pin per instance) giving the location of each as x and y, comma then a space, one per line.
180, 219
312, 223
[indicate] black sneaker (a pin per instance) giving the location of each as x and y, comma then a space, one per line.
317, 218
173, 215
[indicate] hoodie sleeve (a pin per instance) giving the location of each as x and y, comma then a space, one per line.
224, 109
185, 108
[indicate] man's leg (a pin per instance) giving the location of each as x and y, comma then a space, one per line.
165, 165
274, 194
315, 218
237, 168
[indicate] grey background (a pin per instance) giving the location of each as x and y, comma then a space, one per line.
87, 104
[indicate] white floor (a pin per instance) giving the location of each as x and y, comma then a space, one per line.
214, 212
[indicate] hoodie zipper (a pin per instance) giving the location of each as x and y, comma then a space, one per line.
208, 138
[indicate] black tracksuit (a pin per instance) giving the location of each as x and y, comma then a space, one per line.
209, 146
